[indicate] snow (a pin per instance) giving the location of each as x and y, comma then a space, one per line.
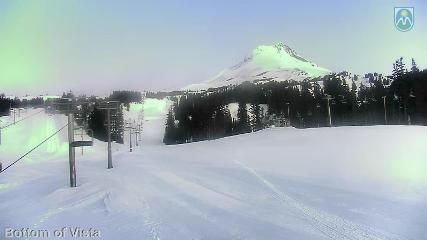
275, 62
29, 97
278, 63
282, 57
32, 126
281, 183
234, 108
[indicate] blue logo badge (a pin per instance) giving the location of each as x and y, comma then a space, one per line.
404, 18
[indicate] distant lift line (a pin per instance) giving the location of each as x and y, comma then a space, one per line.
22, 119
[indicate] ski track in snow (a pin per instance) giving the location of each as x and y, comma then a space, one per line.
332, 226
141, 208
149, 222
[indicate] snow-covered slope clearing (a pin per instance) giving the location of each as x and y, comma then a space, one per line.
282, 183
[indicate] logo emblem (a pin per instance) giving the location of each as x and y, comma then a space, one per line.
404, 18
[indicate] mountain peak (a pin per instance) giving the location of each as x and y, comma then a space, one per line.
277, 62
281, 56
281, 46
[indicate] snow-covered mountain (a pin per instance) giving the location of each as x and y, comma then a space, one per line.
276, 62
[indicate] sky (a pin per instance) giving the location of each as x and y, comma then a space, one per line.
94, 47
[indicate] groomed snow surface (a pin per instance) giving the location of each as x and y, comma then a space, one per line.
282, 183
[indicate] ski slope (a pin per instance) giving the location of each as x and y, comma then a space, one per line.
281, 183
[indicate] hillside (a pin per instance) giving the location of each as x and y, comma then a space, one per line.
280, 183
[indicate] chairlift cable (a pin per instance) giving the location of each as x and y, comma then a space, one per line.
38, 145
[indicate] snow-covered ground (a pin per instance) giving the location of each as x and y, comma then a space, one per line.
281, 183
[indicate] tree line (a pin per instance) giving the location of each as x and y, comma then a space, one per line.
90, 112
7, 103
397, 99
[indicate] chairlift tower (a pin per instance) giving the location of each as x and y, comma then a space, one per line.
109, 106
130, 128
385, 110
137, 129
14, 116
328, 107
68, 108
139, 132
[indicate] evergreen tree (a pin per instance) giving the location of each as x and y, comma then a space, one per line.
5, 104
126, 97
414, 67
256, 119
243, 125
96, 123
205, 115
170, 136
398, 69
401, 67
228, 122
68, 95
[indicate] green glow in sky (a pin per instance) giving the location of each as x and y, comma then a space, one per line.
22, 62
94, 47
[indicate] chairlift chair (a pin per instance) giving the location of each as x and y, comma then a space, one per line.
83, 143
